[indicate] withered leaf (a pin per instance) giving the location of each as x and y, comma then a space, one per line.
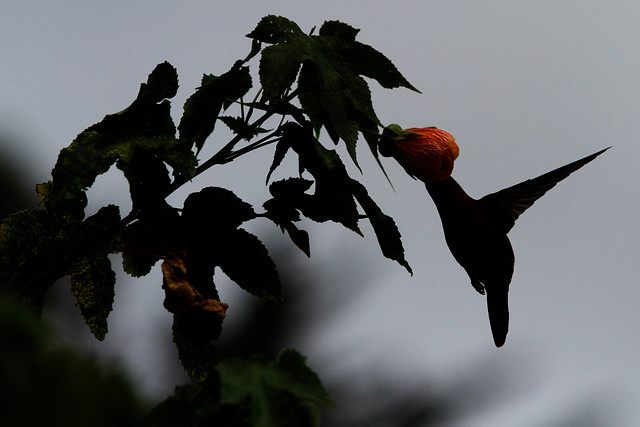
181, 295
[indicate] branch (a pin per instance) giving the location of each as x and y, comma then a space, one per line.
221, 156
224, 155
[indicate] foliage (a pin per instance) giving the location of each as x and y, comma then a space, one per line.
44, 384
254, 392
308, 83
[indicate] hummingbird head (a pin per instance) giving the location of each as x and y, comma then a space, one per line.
427, 154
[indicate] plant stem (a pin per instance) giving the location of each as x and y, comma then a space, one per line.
224, 155
221, 156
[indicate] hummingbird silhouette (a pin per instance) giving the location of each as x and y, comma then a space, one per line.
476, 231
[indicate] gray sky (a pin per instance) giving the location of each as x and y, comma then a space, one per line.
524, 88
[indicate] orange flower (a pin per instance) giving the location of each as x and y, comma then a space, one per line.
425, 153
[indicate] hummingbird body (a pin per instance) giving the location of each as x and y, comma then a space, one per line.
476, 233
475, 229
478, 244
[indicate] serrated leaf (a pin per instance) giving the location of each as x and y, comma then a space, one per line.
282, 209
256, 47
272, 393
195, 330
193, 334
288, 195
35, 251
299, 237
339, 29
367, 61
246, 261
372, 136
211, 217
161, 84
145, 241
240, 127
290, 189
275, 29
102, 221
192, 405
43, 190
37, 248
145, 125
202, 108
148, 179
331, 88
215, 208
383, 225
93, 153
334, 94
281, 150
92, 283
279, 66
138, 264
332, 199
305, 384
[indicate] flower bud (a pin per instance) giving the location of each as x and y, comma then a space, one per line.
425, 153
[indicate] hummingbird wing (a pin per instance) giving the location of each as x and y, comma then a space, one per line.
505, 206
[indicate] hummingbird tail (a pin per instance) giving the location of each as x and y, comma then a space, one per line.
498, 305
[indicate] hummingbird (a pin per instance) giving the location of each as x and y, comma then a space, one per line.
475, 230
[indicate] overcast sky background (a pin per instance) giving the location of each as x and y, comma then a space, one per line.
524, 88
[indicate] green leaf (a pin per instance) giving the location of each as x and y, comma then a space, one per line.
331, 87
37, 248
154, 235
367, 61
92, 283
332, 199
332, 90
149, 114
34, 253
279, 66
275, 29
148, 179
256, 47
304, 384
246, 261
282, 209
71, 386
290, 189
146, 125
191, 405
328, 93
44, 189
383, 225
195, 330
340, 30
202, 108
211, 218
272, 393
241, 127
162, 83
215, 208
193, 334
299, 237
138, 264
92, 279
101, 224
93, 153
281, 150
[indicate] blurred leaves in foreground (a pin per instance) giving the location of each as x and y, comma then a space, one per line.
43, 384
